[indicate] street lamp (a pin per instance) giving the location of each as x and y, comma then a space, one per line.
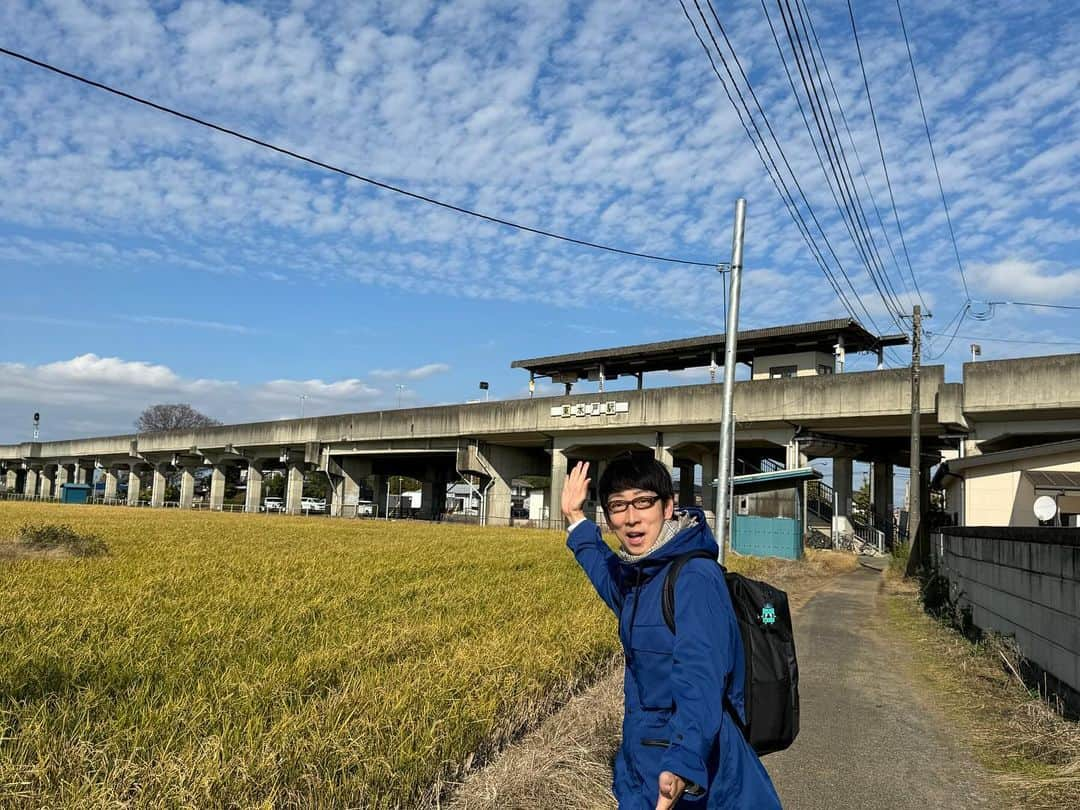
302, 398
37, 424
976, 351
400, 387
484, 388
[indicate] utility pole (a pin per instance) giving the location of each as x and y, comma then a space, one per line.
915, 485
727, 437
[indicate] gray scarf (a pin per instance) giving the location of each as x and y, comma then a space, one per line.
670, 528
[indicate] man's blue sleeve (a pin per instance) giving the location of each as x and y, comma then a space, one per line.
599, 562
700, 664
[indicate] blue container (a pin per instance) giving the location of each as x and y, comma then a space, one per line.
74, 493
767, 537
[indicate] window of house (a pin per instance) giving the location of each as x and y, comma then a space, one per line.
779, 372
823, 369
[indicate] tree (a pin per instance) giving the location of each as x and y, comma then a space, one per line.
862, 502
178, 416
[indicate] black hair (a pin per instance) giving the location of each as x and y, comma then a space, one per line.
635, 471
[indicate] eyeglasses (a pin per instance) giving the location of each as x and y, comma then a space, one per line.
641, 502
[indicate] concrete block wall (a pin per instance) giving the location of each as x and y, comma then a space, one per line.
1021, 582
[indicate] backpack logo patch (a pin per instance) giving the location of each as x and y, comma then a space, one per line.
768, 614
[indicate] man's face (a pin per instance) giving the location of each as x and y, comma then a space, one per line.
637, 526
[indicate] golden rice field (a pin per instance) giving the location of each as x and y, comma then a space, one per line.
220, 660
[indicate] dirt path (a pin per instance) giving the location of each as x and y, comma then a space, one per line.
870, 738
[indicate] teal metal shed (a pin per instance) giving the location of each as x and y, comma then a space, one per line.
769, 536
74, 493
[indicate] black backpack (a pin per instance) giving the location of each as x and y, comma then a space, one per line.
772, 673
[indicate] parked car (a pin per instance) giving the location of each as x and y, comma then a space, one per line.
365, 508
312, 505
273, 505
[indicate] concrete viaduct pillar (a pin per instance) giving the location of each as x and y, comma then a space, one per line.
81, 473
381, 496
112, 482
502, 464
217, 487
661, 452
134, 485
157, 487
294, 486
346, 475
597, 469
46, 484
355, 471
253, 493
30, 485
841, 522
881, 487
686, 483
64, 475
558, 478
11, 480
433, 487
187, 486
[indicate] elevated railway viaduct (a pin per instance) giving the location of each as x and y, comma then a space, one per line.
787, 417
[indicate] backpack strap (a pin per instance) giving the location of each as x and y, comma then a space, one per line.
667, 605
667, 600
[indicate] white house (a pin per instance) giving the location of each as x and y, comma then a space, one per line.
1000, 488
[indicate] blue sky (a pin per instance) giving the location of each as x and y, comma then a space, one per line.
144, 259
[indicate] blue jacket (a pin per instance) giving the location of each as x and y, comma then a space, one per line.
674, 684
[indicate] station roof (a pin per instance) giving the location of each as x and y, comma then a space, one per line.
773, 480
674, 355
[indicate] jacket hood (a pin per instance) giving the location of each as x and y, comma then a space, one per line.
693, 538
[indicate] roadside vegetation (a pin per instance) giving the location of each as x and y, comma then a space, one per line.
1032, 751
214, 660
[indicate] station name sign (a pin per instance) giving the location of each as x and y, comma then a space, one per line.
590, 409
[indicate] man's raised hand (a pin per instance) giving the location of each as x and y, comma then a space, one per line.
575, 491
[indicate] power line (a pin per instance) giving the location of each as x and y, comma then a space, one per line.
858, 159
772, 133
336, 169
857, 212
775, 175
844, 185
881, 150
930, 140
962, 313
777, 178
1033, 304
1016, 340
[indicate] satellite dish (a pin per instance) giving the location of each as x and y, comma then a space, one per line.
1045, 507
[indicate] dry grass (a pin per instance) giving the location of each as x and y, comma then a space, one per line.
1032, 751
218, 660
567, 760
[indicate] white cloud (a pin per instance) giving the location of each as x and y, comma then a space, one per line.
1026, 280
91, 395
418, 373
189, 323
600, 120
